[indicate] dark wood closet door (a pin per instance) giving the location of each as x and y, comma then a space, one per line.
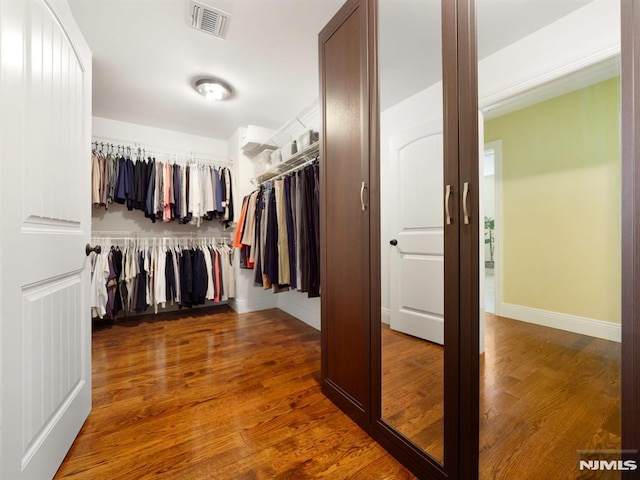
631, 233
344, 216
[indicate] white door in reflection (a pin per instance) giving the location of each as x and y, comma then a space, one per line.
417, 259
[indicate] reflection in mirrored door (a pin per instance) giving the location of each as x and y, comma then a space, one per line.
412, 221
550, 374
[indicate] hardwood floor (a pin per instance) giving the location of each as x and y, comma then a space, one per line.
413, 388
545, 394
216, 396
225, 396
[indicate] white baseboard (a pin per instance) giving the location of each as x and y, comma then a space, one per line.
386, 316
562, 321
253, 305
304, 309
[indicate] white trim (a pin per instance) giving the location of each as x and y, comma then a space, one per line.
253, 305
563, 321
498, 271
503, 95
563, 84
386, 315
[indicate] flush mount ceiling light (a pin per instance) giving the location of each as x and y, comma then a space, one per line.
213, 89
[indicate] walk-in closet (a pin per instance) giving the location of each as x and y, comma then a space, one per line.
319, 239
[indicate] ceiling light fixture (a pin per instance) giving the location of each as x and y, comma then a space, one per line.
213, 89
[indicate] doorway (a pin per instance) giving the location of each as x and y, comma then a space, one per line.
556, 321
492, 158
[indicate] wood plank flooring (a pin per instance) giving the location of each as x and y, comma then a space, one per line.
216, 396
225, 396
544, 395
413, 389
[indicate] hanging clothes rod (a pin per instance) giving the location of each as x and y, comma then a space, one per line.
292, 170
151, 236
132, 147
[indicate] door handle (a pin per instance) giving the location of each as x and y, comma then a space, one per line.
393, 242
465, 198
88, 249
447, 199
364, 206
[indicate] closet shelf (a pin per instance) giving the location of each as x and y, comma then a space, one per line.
298, 159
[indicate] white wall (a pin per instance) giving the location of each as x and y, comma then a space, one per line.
177, 142
250, 297
551, 52
540, 57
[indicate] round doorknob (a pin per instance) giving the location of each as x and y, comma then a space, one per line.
88, 249
394, 242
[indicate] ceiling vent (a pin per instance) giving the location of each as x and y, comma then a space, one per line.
209, 20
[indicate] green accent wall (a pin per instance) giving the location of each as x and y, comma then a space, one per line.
561, 203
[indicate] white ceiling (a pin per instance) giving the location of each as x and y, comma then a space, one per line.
410, 41
145, 56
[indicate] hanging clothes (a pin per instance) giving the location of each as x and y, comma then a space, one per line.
278, 233
134, 277
99, 278
164, 191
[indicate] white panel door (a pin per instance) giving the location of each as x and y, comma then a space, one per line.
45, 115
417, 260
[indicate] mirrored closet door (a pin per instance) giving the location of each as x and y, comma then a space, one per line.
412, 224
550, 374
415, 342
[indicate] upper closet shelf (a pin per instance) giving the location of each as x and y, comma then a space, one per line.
297, 160
256, 139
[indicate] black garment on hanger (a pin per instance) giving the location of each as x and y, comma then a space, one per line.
170, 277
314, 286
141, 294
271, 248
200, 277
291, 237
151, 185
117, 265
257, 242
186, 279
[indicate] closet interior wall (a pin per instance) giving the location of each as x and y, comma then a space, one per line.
249, 298
117, 221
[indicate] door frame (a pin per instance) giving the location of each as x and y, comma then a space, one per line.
630, 92
496, 146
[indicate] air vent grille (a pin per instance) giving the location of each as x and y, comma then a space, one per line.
209, 20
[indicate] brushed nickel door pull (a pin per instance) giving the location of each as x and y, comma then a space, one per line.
364, 206
447, 199
465, 207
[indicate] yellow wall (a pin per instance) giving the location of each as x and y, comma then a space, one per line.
561, 203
